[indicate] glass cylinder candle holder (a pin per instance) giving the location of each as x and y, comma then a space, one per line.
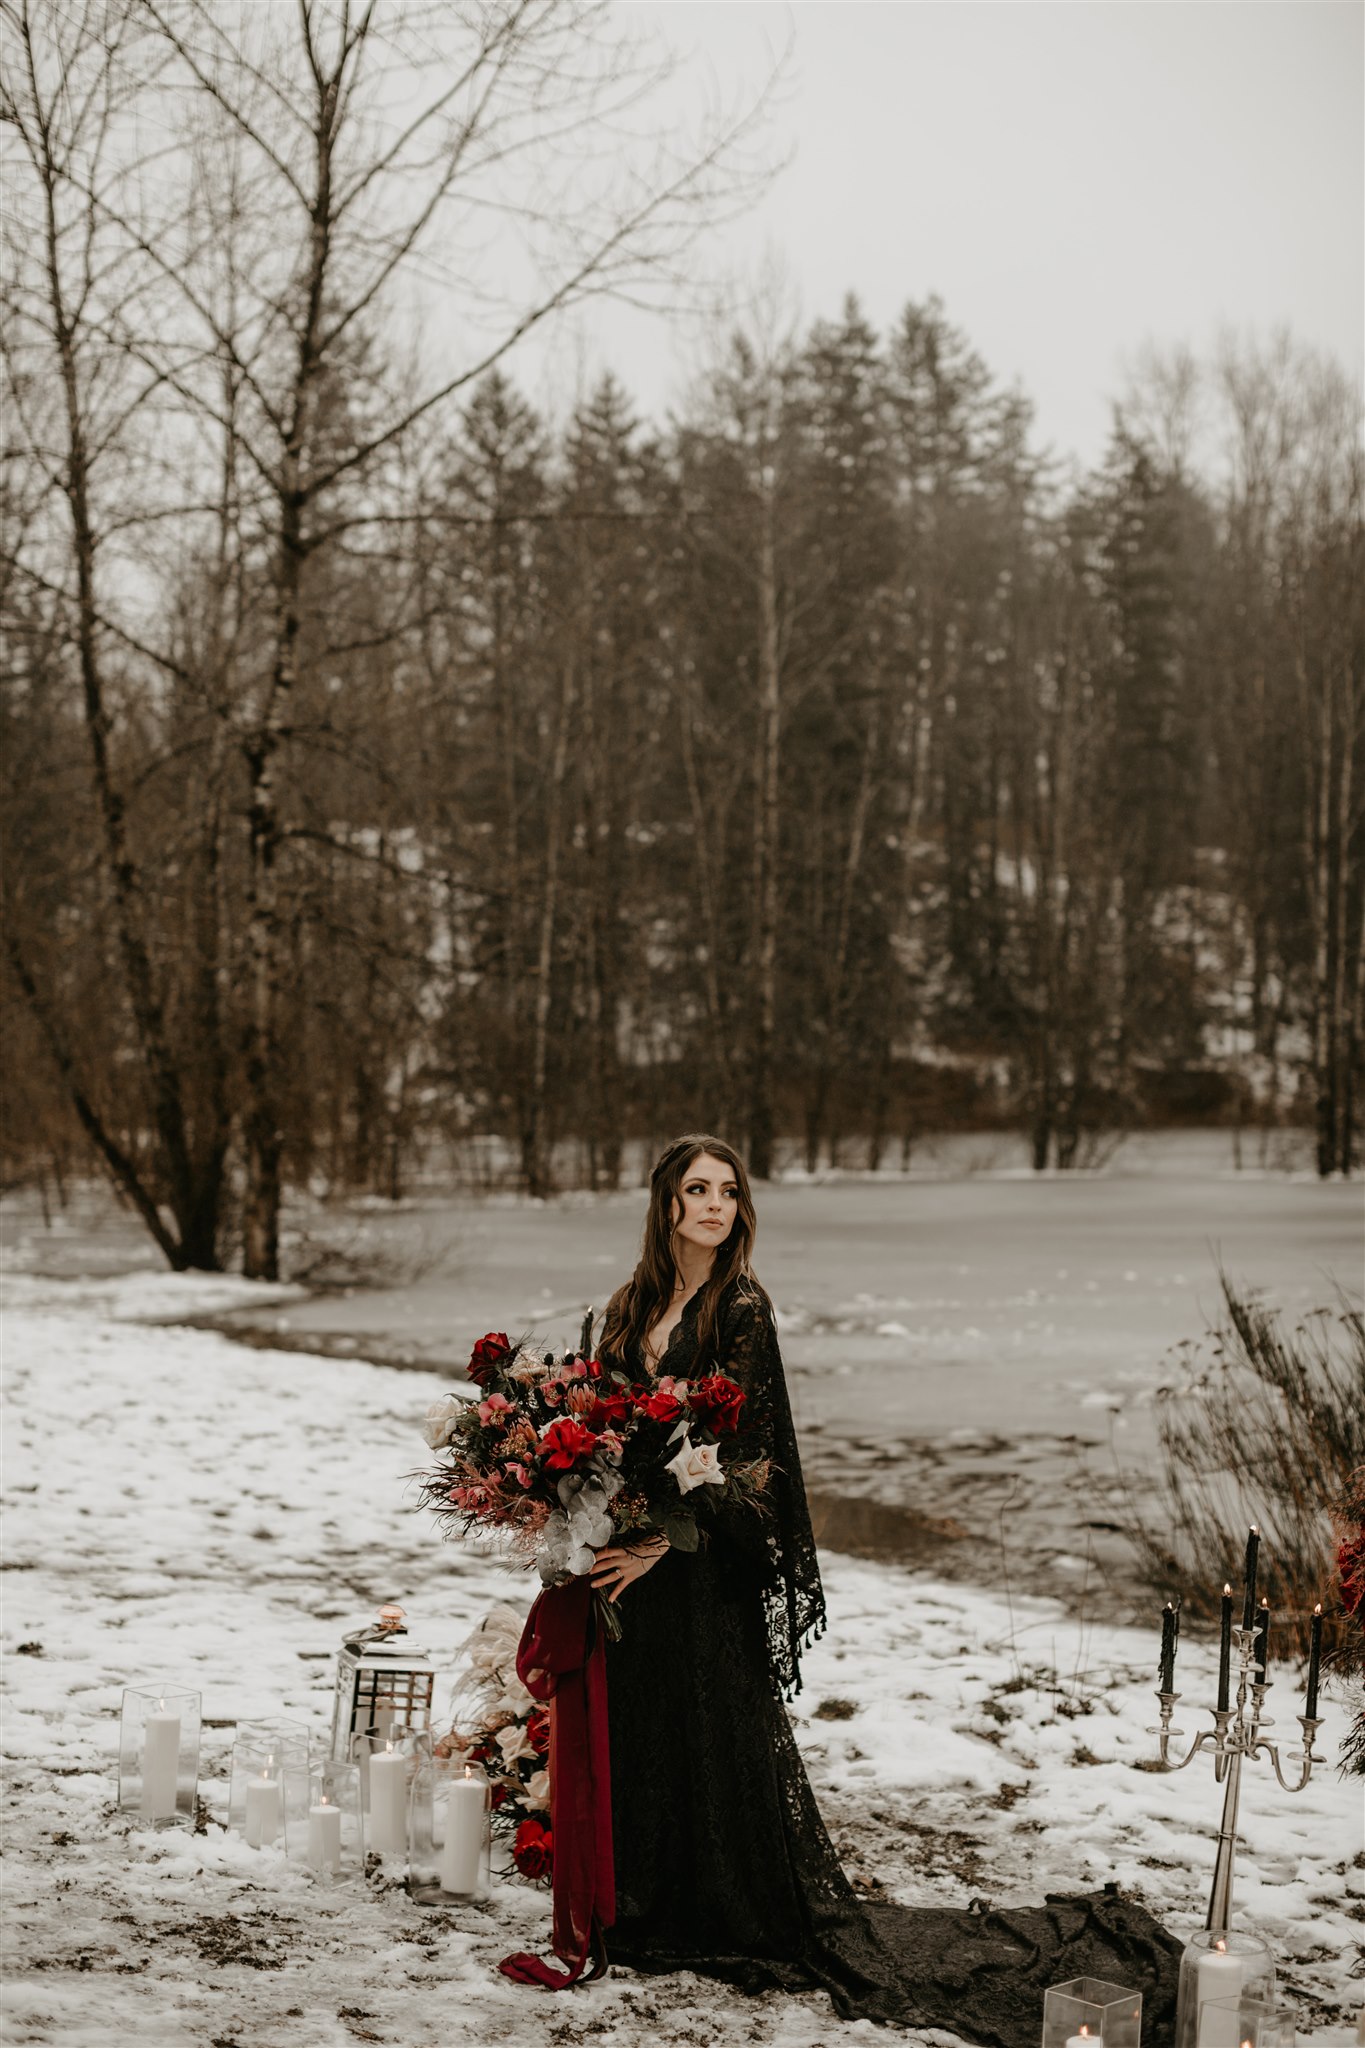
388, 1766
270, 1752
1259, 2022
448, 1833
1220, 1965
158, 1758
334, 1839
1088, 2012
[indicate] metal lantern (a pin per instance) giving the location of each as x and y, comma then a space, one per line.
384, 1685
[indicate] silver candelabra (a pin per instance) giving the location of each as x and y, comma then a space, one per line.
1237, 1734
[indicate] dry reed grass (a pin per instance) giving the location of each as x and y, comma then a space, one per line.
1267, 1428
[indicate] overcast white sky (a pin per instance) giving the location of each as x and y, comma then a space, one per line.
1071, 176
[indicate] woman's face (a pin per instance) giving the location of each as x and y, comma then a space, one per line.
705, 1205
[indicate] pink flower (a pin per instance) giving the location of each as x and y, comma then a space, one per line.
493, 1407
518, 1471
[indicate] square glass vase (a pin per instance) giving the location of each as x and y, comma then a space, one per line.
1257, 2022
448, 1833
389, 1767
1221, 1969
334, 1838
270, 1753
1091, 2009
158, 1757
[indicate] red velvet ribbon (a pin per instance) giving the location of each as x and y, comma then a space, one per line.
562, 1660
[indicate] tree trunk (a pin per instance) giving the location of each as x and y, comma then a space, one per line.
1342, 990
125, 884
767, 822
1317, 830
711, 950
534, 1158
265, 932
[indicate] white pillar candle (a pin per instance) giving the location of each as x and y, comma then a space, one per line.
1221, 1975
160, 1763
262, 1812
388, 1803
324, 1837
463, 1834
1085, 2039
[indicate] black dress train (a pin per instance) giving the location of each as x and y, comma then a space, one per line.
723, 1864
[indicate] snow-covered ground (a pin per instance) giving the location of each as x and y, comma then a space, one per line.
184, 1508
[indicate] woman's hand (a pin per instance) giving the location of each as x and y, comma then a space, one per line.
619, 1565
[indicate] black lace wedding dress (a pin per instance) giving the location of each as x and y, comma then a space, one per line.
723, 1864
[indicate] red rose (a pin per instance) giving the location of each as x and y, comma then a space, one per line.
565, 1442
606, 1409
534, 1849
659, 1407
538, 1731
716, 1402
497, 1795
1351, 1572
488, 1354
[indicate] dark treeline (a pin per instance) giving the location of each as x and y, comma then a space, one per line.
433, 781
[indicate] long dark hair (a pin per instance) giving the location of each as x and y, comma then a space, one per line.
636, 1307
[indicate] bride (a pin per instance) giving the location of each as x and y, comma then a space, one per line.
722, 1861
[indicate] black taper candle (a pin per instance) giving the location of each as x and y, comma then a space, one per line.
1262, 1642
1314, 1661
1168, 1648
1249, 1580
1225, 1653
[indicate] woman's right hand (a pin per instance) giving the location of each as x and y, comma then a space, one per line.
618, 1565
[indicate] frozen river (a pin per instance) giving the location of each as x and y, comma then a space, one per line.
956, 1346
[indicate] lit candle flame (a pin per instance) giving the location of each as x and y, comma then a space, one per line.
1318, 1608
1227, 1588
1221, 1946
468, 1771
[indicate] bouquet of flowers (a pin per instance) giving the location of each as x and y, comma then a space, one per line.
499, 1728
564, 1455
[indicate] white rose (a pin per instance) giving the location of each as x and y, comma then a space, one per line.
538, 1789
439, 1424
514, 1742
696, 1465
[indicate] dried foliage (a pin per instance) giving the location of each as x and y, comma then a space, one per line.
1267, 1429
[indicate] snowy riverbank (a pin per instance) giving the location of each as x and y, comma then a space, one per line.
182, 1507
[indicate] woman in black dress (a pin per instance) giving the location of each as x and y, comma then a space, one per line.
723, 1864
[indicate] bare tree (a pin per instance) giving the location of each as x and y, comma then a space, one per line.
373, 155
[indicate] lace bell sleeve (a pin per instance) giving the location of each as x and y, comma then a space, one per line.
747, 1353
777, 1542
